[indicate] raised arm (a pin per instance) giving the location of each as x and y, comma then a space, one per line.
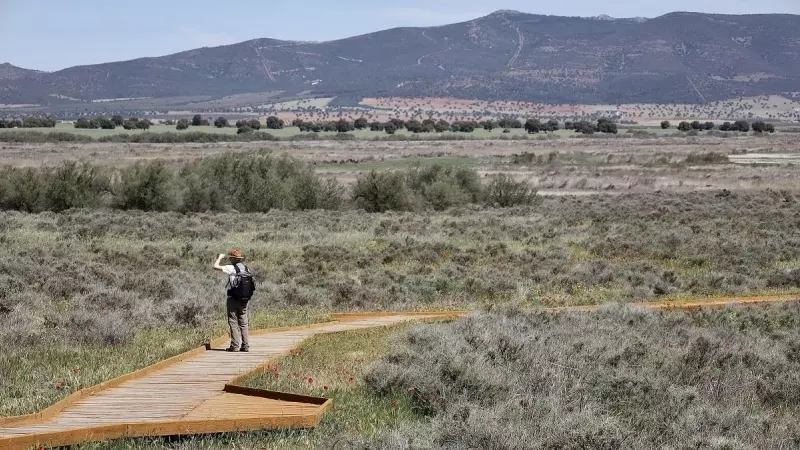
217, 265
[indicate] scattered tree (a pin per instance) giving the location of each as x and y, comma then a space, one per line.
533, 126
665, 125
197, 120
274, 123
741, 125
441, 126
221, 122
343, 126
606, 126
360, 123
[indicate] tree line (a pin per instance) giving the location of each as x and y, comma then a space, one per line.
105, 123
532, 126
744, 126
29, 122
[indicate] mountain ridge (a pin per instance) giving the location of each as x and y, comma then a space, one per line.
507, 55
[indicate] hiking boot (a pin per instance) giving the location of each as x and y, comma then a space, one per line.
232, 349
245, 349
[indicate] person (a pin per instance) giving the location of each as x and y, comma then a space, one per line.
237, 307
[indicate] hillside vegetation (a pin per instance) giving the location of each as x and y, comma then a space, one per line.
674, 58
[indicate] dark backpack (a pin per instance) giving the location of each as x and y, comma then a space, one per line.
242, 284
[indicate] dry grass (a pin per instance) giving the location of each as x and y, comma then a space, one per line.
615, 378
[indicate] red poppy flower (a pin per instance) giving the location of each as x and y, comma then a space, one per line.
76, 371
58, 387
351, 379
394, 404
325, 387
310, 380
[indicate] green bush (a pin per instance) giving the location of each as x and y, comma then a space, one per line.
70, 185
505, 191
73, 185
147, 187
382, 191
20, 189
442, 187
37, 137
255, 183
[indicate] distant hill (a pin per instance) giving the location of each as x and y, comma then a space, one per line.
678, 57
8, 72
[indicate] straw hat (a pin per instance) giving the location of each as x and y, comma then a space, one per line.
236, 254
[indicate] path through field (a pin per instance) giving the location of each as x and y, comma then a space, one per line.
196, 393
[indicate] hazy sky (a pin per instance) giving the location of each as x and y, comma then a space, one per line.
54, 34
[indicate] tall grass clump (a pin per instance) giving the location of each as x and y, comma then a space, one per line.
615, 378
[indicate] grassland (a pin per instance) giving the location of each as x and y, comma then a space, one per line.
95, 297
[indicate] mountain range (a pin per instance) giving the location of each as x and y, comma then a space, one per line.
675, 58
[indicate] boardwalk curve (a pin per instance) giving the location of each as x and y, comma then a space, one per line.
196, 392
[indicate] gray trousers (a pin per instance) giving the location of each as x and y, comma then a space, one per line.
237, 320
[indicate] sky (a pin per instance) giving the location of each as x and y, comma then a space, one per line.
52, 34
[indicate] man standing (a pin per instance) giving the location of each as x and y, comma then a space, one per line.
240, 288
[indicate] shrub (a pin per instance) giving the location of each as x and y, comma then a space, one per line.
146, 186
627, 379
256, 182
707, 158
72, 185
20, 189
382, 191
442, 187
39, 137
505, 191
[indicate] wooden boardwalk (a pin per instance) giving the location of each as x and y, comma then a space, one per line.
196, 393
